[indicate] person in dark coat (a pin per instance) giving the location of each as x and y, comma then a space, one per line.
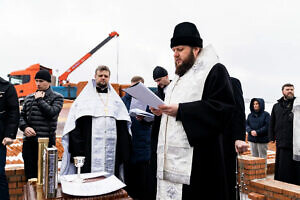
281, 131
9, 121
234, 139
199, 104
139, 168
160, 76
257, 128
39, 117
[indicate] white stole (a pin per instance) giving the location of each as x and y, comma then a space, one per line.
296, 130
88, 103
174, 153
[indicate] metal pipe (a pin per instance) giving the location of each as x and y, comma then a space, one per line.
43, 143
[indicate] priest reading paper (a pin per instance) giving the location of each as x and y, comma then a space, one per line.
97, 128
198, 103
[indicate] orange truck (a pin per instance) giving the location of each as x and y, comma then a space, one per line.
24, 81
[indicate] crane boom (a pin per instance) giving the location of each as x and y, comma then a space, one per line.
65, 75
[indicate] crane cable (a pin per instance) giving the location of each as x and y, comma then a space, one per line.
117, 60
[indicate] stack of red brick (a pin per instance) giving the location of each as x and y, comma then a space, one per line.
252, 178
250, 168
14, 151
16, 181
273, 190
255, 196
15, 170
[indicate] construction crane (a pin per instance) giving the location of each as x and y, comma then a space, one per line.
24, 81
63, 78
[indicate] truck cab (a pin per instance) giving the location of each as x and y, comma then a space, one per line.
24, 81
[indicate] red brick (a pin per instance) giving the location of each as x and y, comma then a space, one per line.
20, 197
257, 184
270, 198
250, 172
10, 172
286, 198
268, 193
289, 193
12, 185
251, 188
249, 177
274, 189
255, 196
20, 171
21, 184
23, 178
13, 197
279, 196
14, 178
16, 191
260, 171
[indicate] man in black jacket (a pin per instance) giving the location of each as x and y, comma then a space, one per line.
9, 120
39, 119
160, 76
281, 131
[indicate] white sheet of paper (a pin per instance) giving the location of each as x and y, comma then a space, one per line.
144, 94
149, 117
104, 186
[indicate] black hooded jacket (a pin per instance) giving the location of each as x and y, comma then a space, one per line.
281, 123
259, 122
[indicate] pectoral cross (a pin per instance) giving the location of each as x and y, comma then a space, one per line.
105, 110
104, 103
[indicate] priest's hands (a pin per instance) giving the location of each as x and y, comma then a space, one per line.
241, 146
156, 112
170, 109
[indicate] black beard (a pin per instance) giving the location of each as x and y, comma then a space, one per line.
186, 65
102, 86
288, 97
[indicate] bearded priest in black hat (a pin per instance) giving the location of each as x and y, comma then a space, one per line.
198, 103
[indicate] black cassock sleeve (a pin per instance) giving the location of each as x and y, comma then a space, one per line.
123, 150
237, 125
123, 141
271, 133
80, 139
208, 116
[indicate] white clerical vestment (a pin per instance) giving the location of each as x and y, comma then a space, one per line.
174, 153
296, 130
105, 109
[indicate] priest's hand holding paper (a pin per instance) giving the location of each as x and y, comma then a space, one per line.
156, 112
170, 109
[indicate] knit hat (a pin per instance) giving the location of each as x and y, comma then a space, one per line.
44, 75
186, 33
159, 72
